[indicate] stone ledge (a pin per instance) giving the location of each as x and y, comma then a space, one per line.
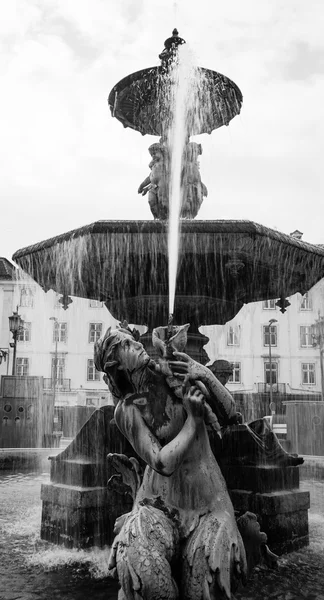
261, 478
270, 503
80, 472
74, 496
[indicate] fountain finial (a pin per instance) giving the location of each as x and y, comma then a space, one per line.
170, 50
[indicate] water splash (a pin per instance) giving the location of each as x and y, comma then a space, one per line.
94, 561
20, 518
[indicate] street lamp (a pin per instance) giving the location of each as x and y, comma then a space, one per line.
270, 364
16, 324
55, 356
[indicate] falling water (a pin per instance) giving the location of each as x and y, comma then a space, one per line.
182, 102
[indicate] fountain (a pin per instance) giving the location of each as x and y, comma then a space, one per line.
221, 266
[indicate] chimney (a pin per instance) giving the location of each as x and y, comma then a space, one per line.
296, 234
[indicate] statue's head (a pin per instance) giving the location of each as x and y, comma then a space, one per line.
123, 359
222, 369
193, 150
157, 150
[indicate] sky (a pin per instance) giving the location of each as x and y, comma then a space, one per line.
65, 162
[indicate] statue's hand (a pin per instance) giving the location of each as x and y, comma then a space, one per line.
187, 368
143, 190
144, 187
194, 402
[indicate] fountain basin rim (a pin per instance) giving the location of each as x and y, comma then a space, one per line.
187, 227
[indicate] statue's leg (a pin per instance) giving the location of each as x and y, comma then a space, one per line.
153, 204
213, 559
147, 544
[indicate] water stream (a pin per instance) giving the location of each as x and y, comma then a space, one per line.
183, 76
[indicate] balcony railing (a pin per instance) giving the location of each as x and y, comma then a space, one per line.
62, 385
277, 388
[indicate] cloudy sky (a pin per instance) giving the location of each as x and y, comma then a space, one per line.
65, 162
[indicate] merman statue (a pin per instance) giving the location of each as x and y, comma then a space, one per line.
157, 184
181, 539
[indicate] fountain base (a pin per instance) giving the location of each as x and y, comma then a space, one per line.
272, 492
283, 516
79, 510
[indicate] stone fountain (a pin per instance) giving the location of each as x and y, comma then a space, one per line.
222, 266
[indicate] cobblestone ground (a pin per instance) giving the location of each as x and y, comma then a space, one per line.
33, 570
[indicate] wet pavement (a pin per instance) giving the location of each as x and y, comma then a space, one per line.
31, 569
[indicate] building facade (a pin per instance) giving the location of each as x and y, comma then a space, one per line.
55, 343
295, 356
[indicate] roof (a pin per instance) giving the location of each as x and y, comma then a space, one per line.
7, 269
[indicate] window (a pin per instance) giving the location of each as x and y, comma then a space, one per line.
22, 366
26, 297
270, 335
59, 332
58, 369
306, 336
92, 401
24, 333
274, 369
233, 338
94, 332
308, 374
306, 302
95, 304
235, 376
92, 373
269, 304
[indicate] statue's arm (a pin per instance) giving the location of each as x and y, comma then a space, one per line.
220, 399
144, 184
166, 459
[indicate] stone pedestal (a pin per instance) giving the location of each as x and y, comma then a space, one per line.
79, 511
271, 492
80, 517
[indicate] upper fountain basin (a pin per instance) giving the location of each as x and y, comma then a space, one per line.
222, 265
142, 101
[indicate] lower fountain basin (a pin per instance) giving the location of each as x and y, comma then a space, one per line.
222, 265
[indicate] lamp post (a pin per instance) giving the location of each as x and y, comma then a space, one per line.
16, 323
270, 364
55, 356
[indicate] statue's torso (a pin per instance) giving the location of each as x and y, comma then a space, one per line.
197, 486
